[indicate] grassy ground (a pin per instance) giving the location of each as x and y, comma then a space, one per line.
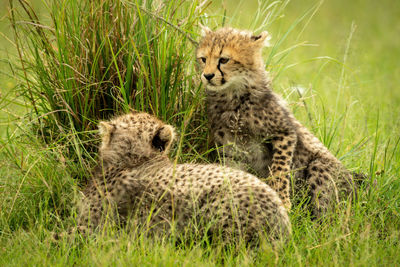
346, 69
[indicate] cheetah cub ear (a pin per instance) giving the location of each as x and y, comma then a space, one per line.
204, 30
261, 39
163, 138
106, 131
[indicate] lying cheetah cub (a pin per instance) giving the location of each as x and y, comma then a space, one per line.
253, 128
137, 177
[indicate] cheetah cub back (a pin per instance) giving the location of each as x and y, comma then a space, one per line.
254, 130
136, 177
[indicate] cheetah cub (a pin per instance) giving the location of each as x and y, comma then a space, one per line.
252, 127
136, 177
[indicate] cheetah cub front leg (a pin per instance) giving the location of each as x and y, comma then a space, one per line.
283, 148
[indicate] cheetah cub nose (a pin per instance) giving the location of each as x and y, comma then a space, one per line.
209, 76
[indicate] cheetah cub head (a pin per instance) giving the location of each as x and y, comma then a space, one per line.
134, 138
228, 57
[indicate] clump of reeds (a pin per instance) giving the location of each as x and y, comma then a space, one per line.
94, 59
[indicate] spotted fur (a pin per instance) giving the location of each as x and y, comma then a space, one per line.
253, 128
135, 176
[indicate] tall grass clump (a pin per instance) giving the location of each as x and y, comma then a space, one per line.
92, 59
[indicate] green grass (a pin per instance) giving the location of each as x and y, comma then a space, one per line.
342, 54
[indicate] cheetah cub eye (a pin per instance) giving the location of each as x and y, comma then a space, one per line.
223, 60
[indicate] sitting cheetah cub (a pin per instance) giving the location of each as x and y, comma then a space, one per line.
135, 176
252, 127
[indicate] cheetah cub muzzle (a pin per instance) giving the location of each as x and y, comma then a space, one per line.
254, 131
136, 179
